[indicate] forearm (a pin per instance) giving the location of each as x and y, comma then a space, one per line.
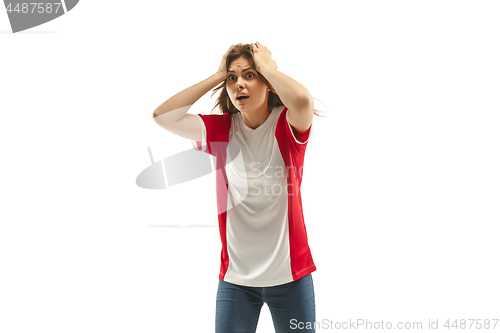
291, 92
180, 103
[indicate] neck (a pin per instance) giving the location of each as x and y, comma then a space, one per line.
255, 118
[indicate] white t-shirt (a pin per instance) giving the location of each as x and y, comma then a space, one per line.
259, 172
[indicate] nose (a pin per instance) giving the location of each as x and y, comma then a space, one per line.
239, 83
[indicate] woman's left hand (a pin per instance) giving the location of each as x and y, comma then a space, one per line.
262, 57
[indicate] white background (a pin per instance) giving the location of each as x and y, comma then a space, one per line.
401, 184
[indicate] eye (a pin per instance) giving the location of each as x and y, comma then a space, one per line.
232, 77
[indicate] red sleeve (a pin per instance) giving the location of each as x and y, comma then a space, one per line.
215, 128
294, 138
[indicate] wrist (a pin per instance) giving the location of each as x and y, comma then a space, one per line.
220, 76
264, 68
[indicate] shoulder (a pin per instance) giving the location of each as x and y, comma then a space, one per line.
290, 134
220, 119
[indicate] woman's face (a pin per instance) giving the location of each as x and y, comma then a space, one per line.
243, 79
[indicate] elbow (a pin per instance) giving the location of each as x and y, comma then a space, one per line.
156, 114
305, 101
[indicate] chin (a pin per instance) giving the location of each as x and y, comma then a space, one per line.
244, 109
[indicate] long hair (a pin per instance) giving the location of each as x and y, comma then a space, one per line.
224, 102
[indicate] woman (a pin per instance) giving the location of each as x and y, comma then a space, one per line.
259, 141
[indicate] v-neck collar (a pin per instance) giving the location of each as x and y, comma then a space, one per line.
262, 127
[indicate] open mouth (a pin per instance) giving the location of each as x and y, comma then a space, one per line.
242, 98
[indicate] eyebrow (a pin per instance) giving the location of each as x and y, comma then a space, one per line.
246, 69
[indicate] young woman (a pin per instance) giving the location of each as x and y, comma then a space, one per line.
259, 140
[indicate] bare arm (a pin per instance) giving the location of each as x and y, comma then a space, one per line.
172, 114
295, 96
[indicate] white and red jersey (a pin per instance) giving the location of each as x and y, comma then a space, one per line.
259, 173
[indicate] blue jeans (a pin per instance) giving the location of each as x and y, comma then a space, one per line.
238, 307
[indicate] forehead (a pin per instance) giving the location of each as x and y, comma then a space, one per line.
239, 63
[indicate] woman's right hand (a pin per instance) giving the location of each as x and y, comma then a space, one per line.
222, 68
